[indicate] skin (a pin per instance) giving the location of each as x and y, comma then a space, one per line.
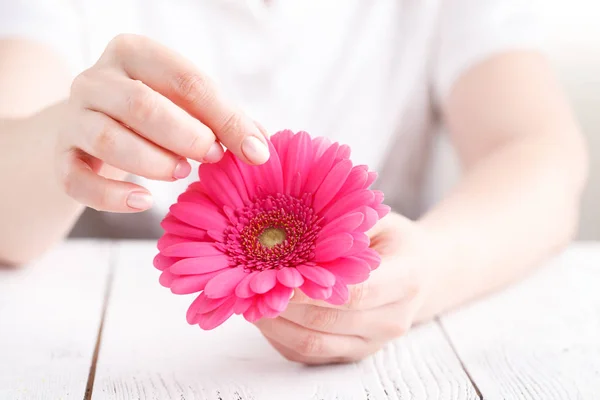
524, 160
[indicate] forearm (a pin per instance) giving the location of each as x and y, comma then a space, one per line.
513, 209
34, 210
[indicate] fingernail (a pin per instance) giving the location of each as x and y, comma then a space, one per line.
214, 154
182, 170
255, 150
139, 200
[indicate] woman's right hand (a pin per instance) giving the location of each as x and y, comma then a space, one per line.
143, 109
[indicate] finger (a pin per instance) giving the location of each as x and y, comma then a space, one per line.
290, 355
84, 185
149, 114
307, 342
111, 142
175, 77
378, 324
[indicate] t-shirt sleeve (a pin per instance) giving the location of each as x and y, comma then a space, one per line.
56, 24
472, 30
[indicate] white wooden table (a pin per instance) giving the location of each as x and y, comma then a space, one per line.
90, 320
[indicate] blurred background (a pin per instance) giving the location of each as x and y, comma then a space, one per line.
573, 43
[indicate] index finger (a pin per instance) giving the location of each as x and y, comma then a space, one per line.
179, 80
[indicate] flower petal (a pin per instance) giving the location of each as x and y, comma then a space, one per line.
264, 281
199, 217
345, 223
168, 240
315, 291
331, 184
224, 283
271, 173
229, 166
320, 168
249, 176
347, 204
356, 181
351, 270
264, 308
218, 186
320, 145
166, 278
192, 249
371, 257
278, 298
173, 225
318, 275
332, 247
339, 294
290, 277
252, 314
297, 161
378, 197
200, 265
162, 262
191, 283
242, 304
382, 210
370, 179
216, 317
243, 288
361, 243
370, 219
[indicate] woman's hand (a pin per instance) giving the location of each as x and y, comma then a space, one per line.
143, 109
380, 309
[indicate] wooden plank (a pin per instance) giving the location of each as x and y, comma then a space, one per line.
49, 317
149, 352
539, 339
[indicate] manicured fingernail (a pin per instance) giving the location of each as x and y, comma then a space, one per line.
255, 150
214, 154
182, 170
139, 200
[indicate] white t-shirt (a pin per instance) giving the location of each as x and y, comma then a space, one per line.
369, 73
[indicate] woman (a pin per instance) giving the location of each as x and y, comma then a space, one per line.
380, 76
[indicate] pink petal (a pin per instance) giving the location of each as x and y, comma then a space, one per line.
331, 184
161, 262
370, 219
264, 281
320, 168
200, 265
229, 166
168, 240
199, 217
371, 178
347, 204
351, 270
344, 152
318, 275
252, 314
278, 298
356, 181
243, 288
345, 223
166, 278
191, 283
297, 161
192, 249
218, 186
241, 305
332, 247
361, 243
290, 277
271, 173
264, 308
281, 141
378, 197
228, 189
216, 317
320, 145
371, 257
194, 196
172, 225
202, 305
339, 294
249, 176
382, 210
224, 284
315, 291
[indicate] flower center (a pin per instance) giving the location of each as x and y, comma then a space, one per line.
273, 232
272, 236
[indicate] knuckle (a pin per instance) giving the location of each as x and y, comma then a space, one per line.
232, 124
141, 104
310, 344
192, 87
105, 139
321, 317
123, 43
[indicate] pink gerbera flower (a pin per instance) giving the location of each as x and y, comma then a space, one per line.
247, 236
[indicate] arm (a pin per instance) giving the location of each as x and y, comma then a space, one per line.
35, 212
525, 165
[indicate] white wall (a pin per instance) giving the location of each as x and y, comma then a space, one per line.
573, 30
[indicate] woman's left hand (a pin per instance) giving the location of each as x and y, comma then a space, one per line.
380, 309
